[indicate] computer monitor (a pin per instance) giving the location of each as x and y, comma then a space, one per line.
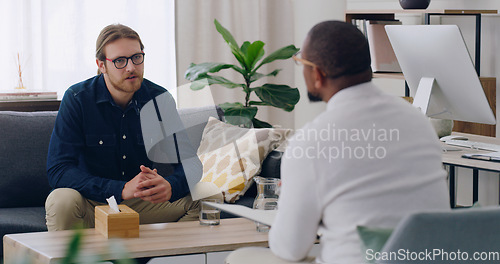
439, 71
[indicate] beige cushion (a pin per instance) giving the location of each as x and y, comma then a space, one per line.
231, 155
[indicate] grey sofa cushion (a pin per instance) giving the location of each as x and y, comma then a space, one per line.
24, 142
21, 220
271, 167
195, 120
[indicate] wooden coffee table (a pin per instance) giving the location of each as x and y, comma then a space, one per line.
155, 240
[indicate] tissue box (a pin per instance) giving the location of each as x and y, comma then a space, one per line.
116, 224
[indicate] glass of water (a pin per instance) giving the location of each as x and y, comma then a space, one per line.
209, 215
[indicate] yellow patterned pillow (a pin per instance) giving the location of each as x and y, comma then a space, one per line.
231, 155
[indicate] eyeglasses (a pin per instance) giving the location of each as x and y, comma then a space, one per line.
351, 71
122, 62
301, 62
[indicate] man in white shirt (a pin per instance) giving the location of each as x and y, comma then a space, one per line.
368, 160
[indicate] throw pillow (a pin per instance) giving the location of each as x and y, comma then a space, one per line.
373, 238
232, 155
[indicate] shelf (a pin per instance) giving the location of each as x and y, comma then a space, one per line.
453, 11
388, 75
388, 14
30, 105
422, 11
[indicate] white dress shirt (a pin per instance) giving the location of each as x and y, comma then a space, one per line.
369, 159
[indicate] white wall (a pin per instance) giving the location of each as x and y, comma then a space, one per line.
307, 14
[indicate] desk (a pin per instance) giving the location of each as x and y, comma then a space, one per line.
454, 159
155, 240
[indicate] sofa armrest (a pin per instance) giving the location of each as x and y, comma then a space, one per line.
24, 143
271, 165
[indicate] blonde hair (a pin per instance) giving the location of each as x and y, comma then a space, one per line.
111, 33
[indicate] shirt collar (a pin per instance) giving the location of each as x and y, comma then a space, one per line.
352, 92
140, 97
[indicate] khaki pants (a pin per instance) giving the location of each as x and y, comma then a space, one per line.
65, 208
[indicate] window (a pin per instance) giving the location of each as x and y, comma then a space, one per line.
55, 40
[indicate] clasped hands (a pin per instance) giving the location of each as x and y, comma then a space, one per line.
149, 186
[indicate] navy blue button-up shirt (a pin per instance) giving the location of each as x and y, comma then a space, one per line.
96, 146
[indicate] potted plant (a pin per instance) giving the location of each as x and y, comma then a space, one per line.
250, 57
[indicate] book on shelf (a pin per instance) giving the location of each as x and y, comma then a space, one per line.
381, 52
361, 24
27, 95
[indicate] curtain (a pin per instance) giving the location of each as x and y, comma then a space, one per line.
198, 41
55, 40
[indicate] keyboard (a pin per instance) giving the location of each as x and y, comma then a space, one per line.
473, 144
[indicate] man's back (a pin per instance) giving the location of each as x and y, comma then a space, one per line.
369, 159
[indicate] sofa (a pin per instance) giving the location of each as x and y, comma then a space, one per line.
24, 140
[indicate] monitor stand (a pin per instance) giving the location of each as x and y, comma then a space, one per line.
423, 94
431, 100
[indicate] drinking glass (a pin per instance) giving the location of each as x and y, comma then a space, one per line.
209, 215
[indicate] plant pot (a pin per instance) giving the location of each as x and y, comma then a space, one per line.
414, 4
443, 127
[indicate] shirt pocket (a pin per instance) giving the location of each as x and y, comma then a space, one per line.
100, 153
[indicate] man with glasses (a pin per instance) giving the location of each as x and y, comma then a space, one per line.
97, 151
368, 160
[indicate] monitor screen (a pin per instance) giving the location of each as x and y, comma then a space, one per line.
439, 72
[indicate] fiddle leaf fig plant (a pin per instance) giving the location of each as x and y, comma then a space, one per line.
250, 57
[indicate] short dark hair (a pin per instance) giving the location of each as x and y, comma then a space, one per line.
338, 48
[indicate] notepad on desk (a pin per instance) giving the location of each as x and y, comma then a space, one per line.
262, 216
265, 217
490, 156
